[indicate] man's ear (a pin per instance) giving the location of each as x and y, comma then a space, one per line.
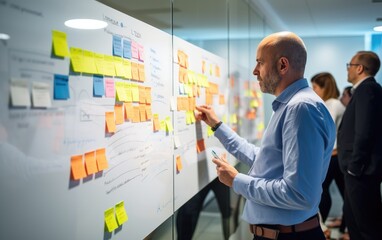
284, 63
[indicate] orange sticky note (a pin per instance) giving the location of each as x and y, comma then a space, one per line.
136, 118
110, 122
142, 112
128, 110
141, 72
142, 94
90, 163
221, 99
78, 167
200, 146
148, 112
148, 95
118, 109
101, 159
156, 123
134, 71
179, 165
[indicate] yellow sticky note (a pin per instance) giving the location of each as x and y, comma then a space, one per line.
78, 167
109, 65
60, 45
169, 125
76, 59
120, 91
163, 124
88, 62
101, 159
209, 131
110, 122
120, 212
111, 222
135, 92
118, 65
127, 66
99, 62
90, 163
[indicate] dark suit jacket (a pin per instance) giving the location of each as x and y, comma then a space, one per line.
359, 138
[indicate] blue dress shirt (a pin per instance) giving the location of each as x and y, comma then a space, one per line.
284, 183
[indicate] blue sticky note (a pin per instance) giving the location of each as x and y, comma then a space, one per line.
126, 48
117, 46
61, 87
98, 88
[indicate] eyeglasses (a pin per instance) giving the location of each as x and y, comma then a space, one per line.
348, 65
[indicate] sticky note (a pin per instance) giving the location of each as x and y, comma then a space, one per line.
126, 48
221, 99
20, 96
120, 212
118, 110
88, 63
200, 145
169, 124
156, 123
179, 165
135, 92
177, 143
120, 91
109, 88
142, 112
108, 67
78, 167
61, 87
117, 46
141, 53
110, 220
136, 117
76, 56
41, 95
148, 112
141, 72
101, 159
98, 88
60, 44
99, 62
148, 95
90, 163
128, 110
134, 71
127, 66
134, 49
118, 65
209, 131
110, 122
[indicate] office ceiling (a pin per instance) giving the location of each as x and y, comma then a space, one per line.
309, 18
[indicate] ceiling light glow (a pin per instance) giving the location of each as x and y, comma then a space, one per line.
378, 28
85, 24
4, 36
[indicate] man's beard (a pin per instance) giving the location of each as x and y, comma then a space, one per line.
270, 82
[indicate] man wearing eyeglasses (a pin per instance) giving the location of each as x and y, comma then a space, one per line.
359, 148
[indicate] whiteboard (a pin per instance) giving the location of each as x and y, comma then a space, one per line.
40, 199
152, 168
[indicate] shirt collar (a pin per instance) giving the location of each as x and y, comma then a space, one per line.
359, 82
289, 92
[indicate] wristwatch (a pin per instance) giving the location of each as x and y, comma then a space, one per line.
216, 126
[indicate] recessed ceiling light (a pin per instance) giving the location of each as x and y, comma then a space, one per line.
4, 36
378, 28
85, 24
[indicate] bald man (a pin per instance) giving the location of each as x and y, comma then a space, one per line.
283, 186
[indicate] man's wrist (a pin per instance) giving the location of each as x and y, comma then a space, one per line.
216, 126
